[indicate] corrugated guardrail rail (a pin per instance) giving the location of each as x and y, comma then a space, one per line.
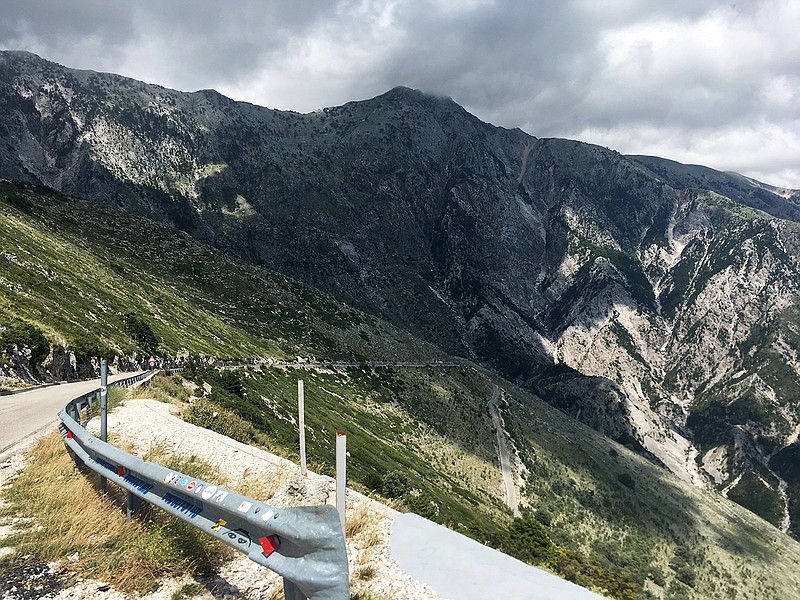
303, 544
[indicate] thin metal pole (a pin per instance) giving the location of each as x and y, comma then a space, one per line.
104, 400
301, 409
103, 409
341, 472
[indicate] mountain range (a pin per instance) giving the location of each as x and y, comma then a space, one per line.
654, 301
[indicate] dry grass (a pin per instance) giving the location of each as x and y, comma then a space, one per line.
365, 572
264, 483
357, 520
71, 518
365, 595
164, 388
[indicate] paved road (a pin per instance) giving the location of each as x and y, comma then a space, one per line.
502, 452
25, 416
459, 568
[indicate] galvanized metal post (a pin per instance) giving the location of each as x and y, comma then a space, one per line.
103, 409
341, 472
104, 400
301, 409
134, 504
291, 591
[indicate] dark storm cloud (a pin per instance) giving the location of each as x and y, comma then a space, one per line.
694, 80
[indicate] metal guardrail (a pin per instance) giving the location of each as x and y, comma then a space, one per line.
305, 545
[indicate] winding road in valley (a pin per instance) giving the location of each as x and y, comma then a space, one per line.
502, 452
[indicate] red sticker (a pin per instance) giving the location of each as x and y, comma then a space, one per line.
121, 471
191, 485
268, 544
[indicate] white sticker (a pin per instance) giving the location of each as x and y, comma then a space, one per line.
209, 491
220, 497
198, 489
168, 478
268, 515
245, 506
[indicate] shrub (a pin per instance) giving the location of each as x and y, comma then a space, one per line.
141, 333
528, 540
394, 484
90, 347
626, 480
206, 414
231, 381
20, 202
421, 503
22, 334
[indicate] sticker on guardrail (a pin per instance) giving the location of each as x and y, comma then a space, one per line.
240, 538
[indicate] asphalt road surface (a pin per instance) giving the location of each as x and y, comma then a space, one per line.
459, 568
25, 416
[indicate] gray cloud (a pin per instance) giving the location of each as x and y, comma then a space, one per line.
693, 80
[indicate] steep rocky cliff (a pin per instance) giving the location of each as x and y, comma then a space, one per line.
653, 300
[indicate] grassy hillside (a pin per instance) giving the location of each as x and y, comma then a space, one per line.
76, 270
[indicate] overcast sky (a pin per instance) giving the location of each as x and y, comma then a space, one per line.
699, 81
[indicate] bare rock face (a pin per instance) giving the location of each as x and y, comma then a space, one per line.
669, 291
61, 365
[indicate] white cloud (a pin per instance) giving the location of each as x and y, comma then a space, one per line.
698, 80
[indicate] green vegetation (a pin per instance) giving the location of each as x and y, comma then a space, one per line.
141, 333
391, 416
21, 335
631, 517
603, 516
420, 437
80, 274
754, 494
787, 464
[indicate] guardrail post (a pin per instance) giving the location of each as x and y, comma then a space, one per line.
341, 474
103, 409
291, 591
301, 409
133, 505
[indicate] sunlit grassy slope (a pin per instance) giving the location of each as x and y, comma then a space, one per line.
419, 437
74, 268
